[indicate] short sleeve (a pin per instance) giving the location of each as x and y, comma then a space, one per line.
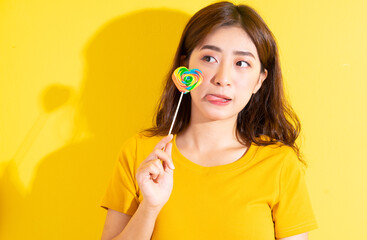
121, 194
293, 213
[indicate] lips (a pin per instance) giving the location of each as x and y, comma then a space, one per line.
217, 98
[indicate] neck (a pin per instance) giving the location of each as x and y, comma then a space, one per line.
204, 135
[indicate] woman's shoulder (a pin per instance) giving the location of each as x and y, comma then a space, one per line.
137, 147
141, 141
277, 150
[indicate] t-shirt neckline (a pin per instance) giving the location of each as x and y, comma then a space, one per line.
250, 153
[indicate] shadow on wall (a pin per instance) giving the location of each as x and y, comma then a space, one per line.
125, 64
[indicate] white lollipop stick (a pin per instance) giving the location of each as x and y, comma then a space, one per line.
174, 117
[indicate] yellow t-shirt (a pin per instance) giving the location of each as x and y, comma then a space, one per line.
261, 196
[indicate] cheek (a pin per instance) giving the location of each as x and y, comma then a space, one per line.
243, 86
208, 74
246, 84
198, 91
244, 91
195, 96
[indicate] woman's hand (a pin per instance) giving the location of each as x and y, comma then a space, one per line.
155, 178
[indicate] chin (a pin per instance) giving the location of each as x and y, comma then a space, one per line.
210, 113
218, 116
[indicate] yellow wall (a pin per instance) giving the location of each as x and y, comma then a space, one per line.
78, 77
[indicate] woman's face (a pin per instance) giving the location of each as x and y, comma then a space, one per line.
230, 65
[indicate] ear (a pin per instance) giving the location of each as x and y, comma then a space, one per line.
183, 61
262, 78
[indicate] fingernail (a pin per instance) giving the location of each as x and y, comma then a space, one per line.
172, 166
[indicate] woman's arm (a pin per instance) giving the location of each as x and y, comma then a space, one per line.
119, 226
302, 236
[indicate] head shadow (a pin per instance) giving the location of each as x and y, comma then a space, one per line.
125, 63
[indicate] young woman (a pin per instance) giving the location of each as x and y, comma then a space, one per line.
231, 169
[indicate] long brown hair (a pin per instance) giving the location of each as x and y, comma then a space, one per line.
267, 118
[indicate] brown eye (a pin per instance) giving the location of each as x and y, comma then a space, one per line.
242, 64
208, 59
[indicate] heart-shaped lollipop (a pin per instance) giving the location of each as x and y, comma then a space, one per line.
186, 79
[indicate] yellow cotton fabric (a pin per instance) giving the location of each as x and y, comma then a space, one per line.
261, 196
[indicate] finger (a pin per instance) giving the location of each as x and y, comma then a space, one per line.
158, 165
153, 171
166, 168
169, 149
162, 144
169, 152
151, 168
164, 156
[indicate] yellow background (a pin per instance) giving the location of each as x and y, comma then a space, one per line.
78, 77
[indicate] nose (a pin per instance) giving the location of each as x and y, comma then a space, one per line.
222, 77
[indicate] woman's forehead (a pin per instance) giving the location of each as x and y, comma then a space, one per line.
228, 38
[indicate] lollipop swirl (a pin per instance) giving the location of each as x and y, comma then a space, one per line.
186, 80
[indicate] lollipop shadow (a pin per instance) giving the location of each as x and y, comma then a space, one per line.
125, 64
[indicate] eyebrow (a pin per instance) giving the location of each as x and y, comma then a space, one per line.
220, 50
